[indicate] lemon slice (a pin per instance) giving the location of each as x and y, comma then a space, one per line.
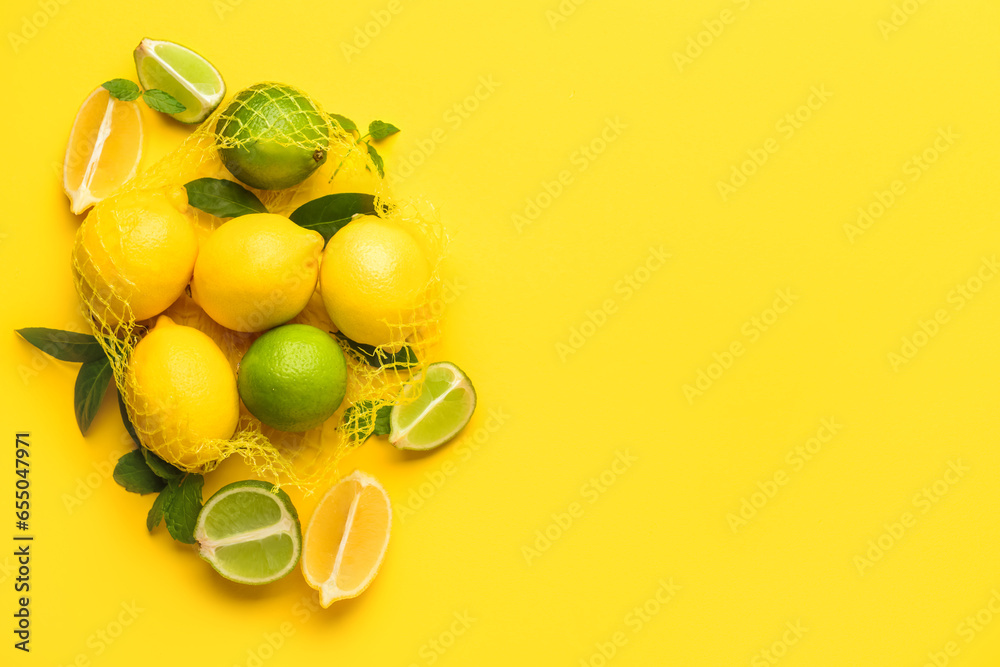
435, 411
105, 146
249, 534
187, 76
346, 538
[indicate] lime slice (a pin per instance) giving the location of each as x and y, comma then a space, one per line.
248, 533
184, 74
437, 413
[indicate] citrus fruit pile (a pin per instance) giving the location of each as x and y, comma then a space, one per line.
248, 302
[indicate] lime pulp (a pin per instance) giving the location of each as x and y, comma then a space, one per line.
185, 75
250, 534
435, 411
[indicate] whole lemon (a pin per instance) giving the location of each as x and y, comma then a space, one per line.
183, 394
257, 271
272, 136
373, 277
134, 255
293, 378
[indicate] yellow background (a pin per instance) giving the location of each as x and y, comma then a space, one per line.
676, 130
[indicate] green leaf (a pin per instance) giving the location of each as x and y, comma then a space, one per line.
404, 357
126, 421
181, 508
91, 384
222, 198
380, 130
344, 122
162, 101
160, 468
329, 213
382, 422
122, 89
135, 476
155, 515
377, 159
357, 418
63, 345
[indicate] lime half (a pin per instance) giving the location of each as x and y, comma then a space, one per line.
184, 74
435, 412
250, 534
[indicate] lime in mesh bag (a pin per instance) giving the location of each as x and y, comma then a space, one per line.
287, 152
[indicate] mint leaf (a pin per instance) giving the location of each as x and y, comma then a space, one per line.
404, 357
377, 159
181, 508
358, 417
380, 130
162, 101
122, 89
382, 423
329, 213
344, 122
160, 468
63, 345
91, 385
222, 198
135, 476
126, 421
155, 515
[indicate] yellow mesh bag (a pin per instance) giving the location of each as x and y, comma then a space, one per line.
308, 460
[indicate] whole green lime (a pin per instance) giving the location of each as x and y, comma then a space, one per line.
293, 378
272, 136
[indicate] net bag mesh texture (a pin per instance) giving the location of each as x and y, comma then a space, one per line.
307, 460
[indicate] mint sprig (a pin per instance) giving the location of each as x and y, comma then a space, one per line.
376, 159
182, 505
155, 515
155, 99
376, 357
358, 418
122, 89
346, 123
377, 131
162, 101
134, 475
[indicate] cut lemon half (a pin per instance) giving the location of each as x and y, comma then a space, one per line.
434, 411
187, 76
249, 533
105, 146
346, 538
